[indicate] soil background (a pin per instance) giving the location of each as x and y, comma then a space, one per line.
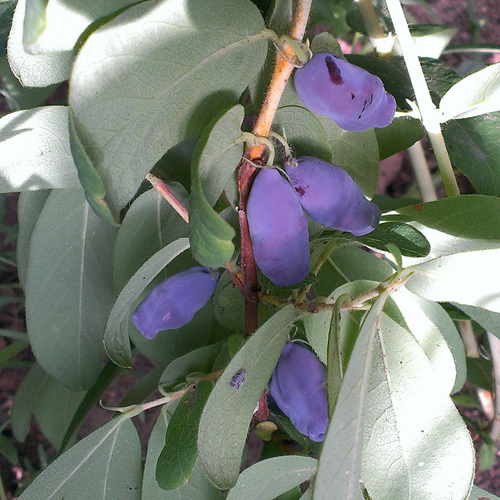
395, 178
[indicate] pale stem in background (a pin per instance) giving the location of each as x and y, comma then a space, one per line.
495, 357
381, 42
428, 112
422, 174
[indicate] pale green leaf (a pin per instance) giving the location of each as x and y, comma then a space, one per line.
197, 488
476, 94
35, 70
427, 449
469, 278
159, 225
339, 473
25, 400
490, 321
62, 22
35, 151
435, 332
156, 75
221, 154
198, 360
269, 478
116, 337
106, 465
228, 412
69, 288
54, 409
324, 42
29, 208
402, 133
431, 39
34, 20
303, 131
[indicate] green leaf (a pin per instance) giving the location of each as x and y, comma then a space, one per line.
480, 373
35, 70
410, 241
11, 350
474, 147
324, 42
424, 439
203, 56
402, 133
474, 95
228, 412
439, 339
116, 337
480, 494
88, 175
269, 478
29, 208
69, 288
228, 303
469, 278
303, 131
198, 360
197, 488
339, 473
8, 450
490, 321
160, 225
468, 216
35, 152
487, 456
178, 457
221, 154
34, 21
103, 466
24, 402
210, 236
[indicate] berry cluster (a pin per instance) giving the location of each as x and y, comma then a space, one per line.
278, 225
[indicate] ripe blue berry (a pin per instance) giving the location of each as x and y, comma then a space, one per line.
278, 229
298, 386
347, 94
174, 302
330, 196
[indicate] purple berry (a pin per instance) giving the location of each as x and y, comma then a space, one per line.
298, 386
330, 196
278, 229
347, 94
174, 302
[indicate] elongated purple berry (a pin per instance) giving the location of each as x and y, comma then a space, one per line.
278, 229
330, 196
298, 386
174, 302
347, 94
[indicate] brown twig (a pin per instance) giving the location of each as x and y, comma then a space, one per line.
172, 200
246, 173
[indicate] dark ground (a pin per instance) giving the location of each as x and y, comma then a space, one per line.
396, 176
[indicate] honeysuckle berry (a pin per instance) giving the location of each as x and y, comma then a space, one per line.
347, 94
330, 196
174, 302
298, 386
278, 229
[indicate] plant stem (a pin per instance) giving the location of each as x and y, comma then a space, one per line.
164, 191
421, 170
246, 173
428, 112
380, 41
